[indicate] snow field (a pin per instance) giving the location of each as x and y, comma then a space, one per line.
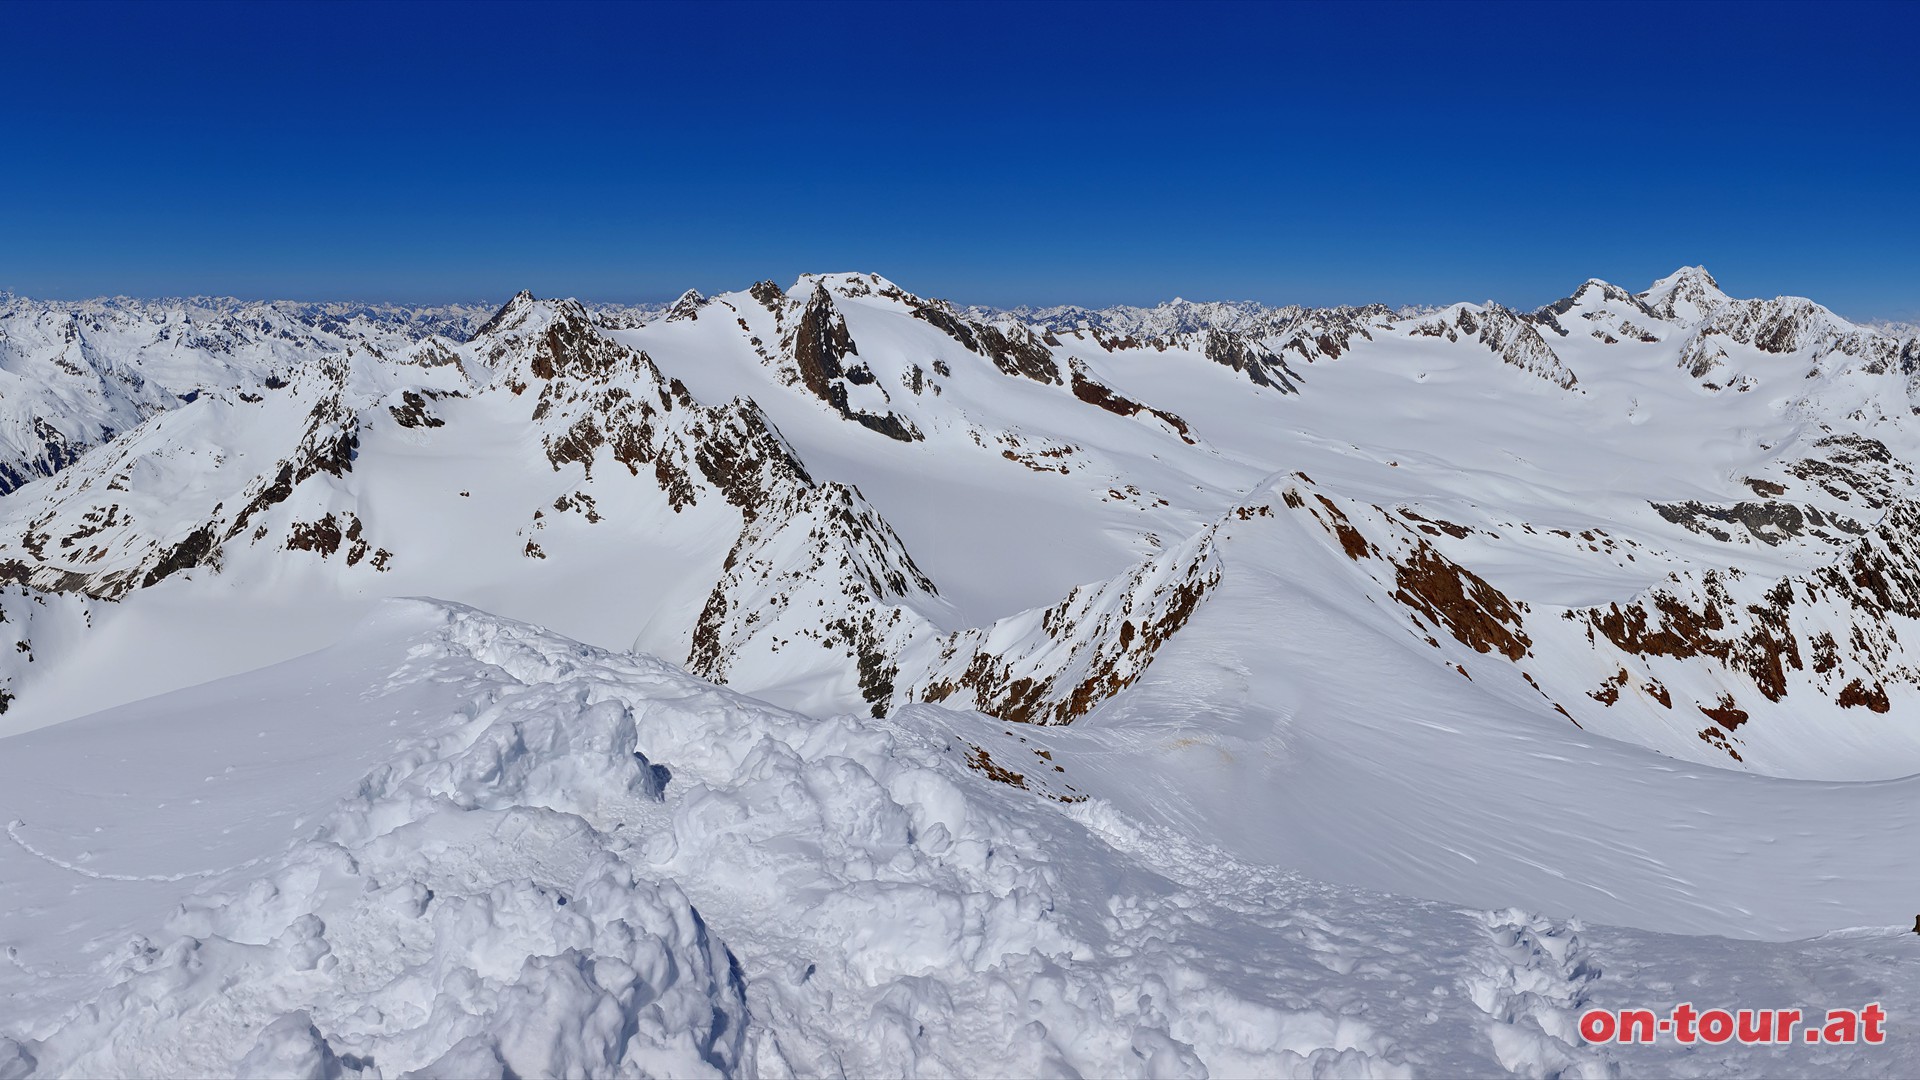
454, 844
587, 863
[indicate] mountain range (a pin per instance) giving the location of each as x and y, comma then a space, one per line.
1609, 608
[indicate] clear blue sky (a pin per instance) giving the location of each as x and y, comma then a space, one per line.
993, 154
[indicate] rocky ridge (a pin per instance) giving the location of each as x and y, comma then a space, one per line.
1696, 657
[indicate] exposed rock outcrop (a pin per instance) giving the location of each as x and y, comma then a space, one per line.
826, 357
1508, 334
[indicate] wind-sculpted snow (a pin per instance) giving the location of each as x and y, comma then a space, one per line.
564, 861
465, 912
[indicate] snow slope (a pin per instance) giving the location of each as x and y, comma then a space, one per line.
1127, 692
73, 375
524, 856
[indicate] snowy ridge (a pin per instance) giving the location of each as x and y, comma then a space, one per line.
1506, 333
1055, 665
857, 596
834, 680
797, 540
817, 591
1176, 316
818, 543
75, 374
1720, 656
128, 521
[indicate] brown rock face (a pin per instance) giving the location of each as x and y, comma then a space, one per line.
185, 555
1429, 584
1855, 694
821, 344
1089, 648
821, 348
770, 296
1878, 577
412, 411
1094, 393
1015, 351
1474, 612
326, 537
1261, 365
1727, 713
1666, 625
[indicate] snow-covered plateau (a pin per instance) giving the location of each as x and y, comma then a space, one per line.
833, 681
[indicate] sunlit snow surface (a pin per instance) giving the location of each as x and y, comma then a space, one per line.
270, 816
434, 849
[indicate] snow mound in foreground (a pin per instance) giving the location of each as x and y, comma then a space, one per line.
593, 864
463, 913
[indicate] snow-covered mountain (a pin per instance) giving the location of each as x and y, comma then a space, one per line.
74, 375
1185, 603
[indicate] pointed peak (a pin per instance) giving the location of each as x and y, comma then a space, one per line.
510, 312
1696, 276
1601, 288
687, 307
1690, 285
768, 294
1592, 293
525, 315
1687, 281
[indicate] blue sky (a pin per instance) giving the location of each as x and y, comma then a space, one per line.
1041, 153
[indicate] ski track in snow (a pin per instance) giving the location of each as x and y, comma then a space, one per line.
13, 833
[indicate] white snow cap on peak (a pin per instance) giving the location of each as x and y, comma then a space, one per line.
527, 313
687, 307
1596, 290
1685, 283
510, 312
846, 283
1689, 285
